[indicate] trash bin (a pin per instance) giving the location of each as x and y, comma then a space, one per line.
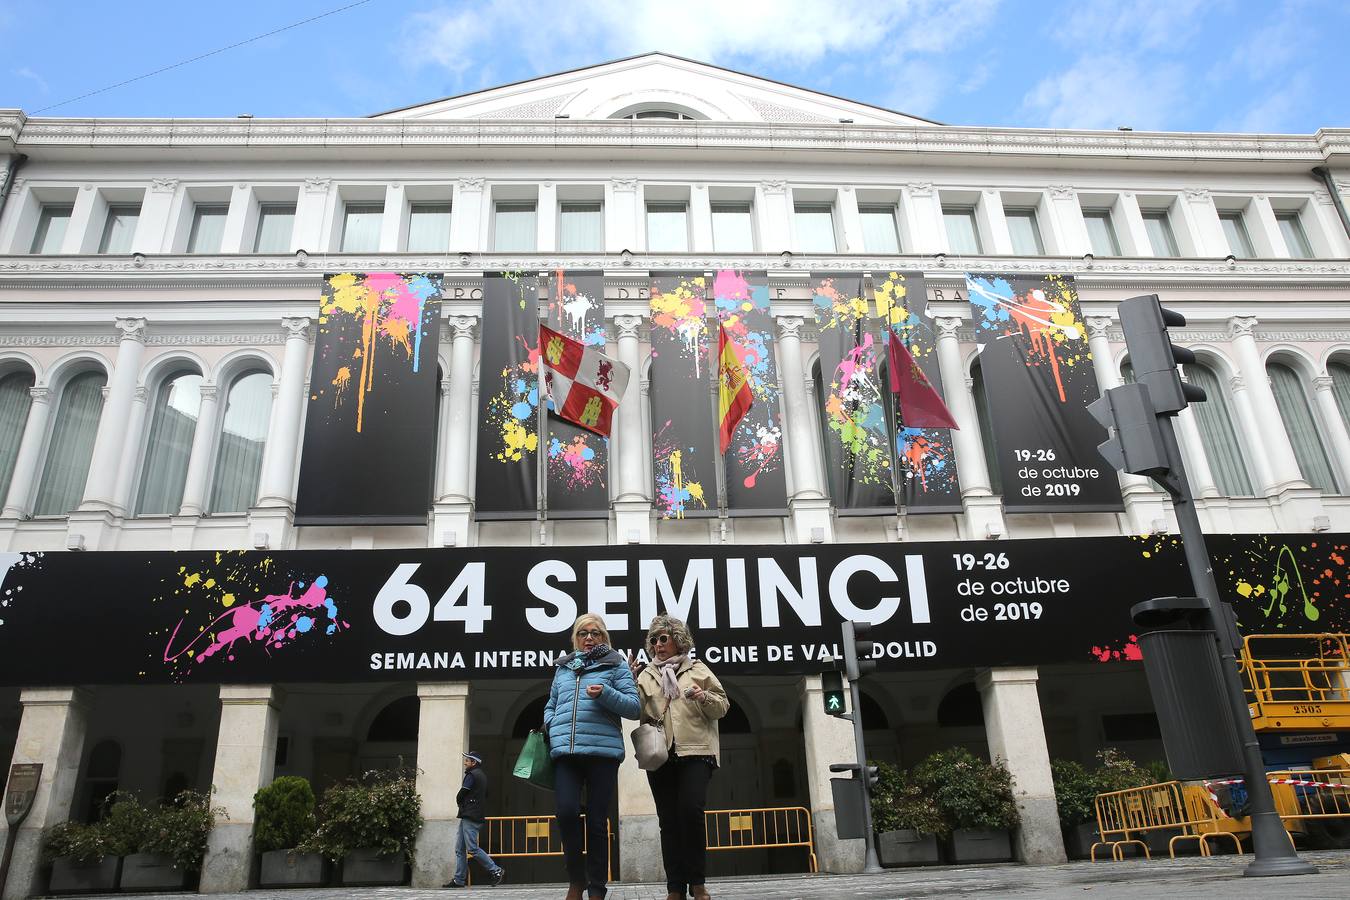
849, 821
1181, 662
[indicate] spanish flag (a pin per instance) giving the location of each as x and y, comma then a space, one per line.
733, 387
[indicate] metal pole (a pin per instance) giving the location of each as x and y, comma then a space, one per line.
1271, 844
871, 864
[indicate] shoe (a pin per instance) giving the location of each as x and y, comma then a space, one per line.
699, 892
675, 895
453, 884
497, 876
575, 891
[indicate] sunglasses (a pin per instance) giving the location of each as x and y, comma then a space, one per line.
591, 633
660, 640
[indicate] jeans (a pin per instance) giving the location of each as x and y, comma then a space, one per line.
599, 777
466, 845
680, 789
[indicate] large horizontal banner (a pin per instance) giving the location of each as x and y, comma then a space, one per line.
445, 614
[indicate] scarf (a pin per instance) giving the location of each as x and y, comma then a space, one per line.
582, 657
669, 683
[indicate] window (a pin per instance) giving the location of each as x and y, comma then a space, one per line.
514, 229
659, 114
361, 227
1295, 239
667, 227
173, 422
733, 230
962, 235
208, 228
51, 228
243, 435
986, 428
119, 228
581, 227
1235, 230
1025, 234
1101, 232
14, 403
1160, 236
71, 446
1292, 401
429, 228
815, 227
275, 222
1340, 389
1217, 436
878, 229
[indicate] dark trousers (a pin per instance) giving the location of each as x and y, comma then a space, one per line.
599, 778
680, 789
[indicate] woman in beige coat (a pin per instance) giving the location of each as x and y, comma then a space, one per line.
686, 698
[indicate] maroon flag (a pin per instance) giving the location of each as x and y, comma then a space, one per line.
920, 405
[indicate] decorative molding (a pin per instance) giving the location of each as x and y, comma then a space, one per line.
623, 185
790, 327
17, 186
1099, 327
464, 326
1062, 191
1237, 384
1323, 383
546, 108
40, 394
132, 328
773, 187
296, 327
1322, 198
948, 327
920, 189
208, 393
469, 185
163, 185
1242, 327
58, 340
628, 326
777, 112
141, 394
1197, 195
317, 185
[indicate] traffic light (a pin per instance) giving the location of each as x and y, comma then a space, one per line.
873, 775
857, 650
1134, 443
1145, 322
832, 686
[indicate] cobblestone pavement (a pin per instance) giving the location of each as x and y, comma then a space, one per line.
1181, 879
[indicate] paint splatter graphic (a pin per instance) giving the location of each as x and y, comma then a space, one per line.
510, 415
678, 487
743, 309
1278, 584
577, 459
372, 320
1128, 650
682, 313
11, 590
240, 604
855, 408
574, 462
1045, 317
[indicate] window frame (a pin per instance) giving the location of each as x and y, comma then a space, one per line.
105, 239
1163, 218
165, 383
1103, 215
671, 205
1027, 213
814, 207
965, 211
878, 210
515, 205
270, 207
1295, 218
413, 207
194, 229
594, 206
360, 207
725, 207
1238, 220
43, 228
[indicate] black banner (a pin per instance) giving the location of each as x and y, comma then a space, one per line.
684, 433
924, 458
1038, 381
854, 403
508, 398
755, 480
444, 614
370, 428
576, 460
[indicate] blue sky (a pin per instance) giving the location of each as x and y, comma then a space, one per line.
1180, 65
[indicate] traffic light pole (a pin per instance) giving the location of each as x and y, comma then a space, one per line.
871, 863
1271, 844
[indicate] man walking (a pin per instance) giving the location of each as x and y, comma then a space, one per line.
471, 798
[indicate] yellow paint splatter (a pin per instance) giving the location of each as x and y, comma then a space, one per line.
193, 578
227, 600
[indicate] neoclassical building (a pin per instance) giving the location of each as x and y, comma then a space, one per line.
159, 285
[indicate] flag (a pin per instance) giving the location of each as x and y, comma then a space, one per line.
584, 384
733, 387
920, 405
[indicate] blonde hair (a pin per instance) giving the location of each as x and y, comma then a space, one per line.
678, 631
593, 621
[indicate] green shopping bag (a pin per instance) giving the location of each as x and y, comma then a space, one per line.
534, 763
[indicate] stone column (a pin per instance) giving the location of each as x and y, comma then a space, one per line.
283, 439
1245, 427
639, 831
131, 447
23, 482
442, 741
808, 503
983, 512
1193, 450
460, 419
829, 740
632, 502
1280, 453
1335, 427
1016, 734
198, 478
100, 489
51, 732
246, 749
621, 217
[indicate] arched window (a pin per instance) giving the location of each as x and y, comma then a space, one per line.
101, 776
986, 428
71, 446
874, 718
1292, 401
14, 403
1340, 389
243, 435
398, 721
1217, 436
961, 708
532, 716
172, 425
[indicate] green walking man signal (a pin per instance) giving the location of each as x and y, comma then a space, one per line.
832, 687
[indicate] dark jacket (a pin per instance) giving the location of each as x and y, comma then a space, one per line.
472, 796
577, 724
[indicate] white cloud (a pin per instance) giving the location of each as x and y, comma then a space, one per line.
1099, 92
34, 77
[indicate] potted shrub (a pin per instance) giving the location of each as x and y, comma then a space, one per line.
1075, 795
907, 821
172, 844
283, 820
975, 800
84, 858
370, 826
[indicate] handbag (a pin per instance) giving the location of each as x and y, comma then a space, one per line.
534, 764
649, 744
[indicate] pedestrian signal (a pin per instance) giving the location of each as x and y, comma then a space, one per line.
832, 685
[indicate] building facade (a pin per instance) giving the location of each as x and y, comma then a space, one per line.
160, 284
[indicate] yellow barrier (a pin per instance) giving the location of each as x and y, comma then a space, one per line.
1297, 682
1310, 795
506, 837
761, 829
1124, 817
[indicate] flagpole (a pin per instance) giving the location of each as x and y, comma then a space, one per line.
893, 424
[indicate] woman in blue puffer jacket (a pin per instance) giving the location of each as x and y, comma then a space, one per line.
592, 690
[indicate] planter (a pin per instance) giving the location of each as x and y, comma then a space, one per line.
367, 867
72, 876
1078, 840
907, 847
971, 845
287, 868
151, 872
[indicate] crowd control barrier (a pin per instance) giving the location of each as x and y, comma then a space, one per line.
761, 829
1125, 818
507, 837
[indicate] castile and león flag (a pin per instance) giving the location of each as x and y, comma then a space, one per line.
584, 384
920, 404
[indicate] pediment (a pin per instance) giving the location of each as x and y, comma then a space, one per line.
655, 81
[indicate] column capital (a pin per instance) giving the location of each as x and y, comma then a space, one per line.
1098, 326
1323, 383
629, 326
773, 187
948, 326
471, 185
317, 185
1062, 191
208, 391
920, 188
464, 326
1009, 675
132, 328
141, 394
1197, 195
163, 185
40, 394
442, 689
789, 327
623, 185
1242, 326
1237, 383
297, 327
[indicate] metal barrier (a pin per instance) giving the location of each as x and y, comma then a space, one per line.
1125, 817
761, 829
1302, 797
1297, 682
507, 837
